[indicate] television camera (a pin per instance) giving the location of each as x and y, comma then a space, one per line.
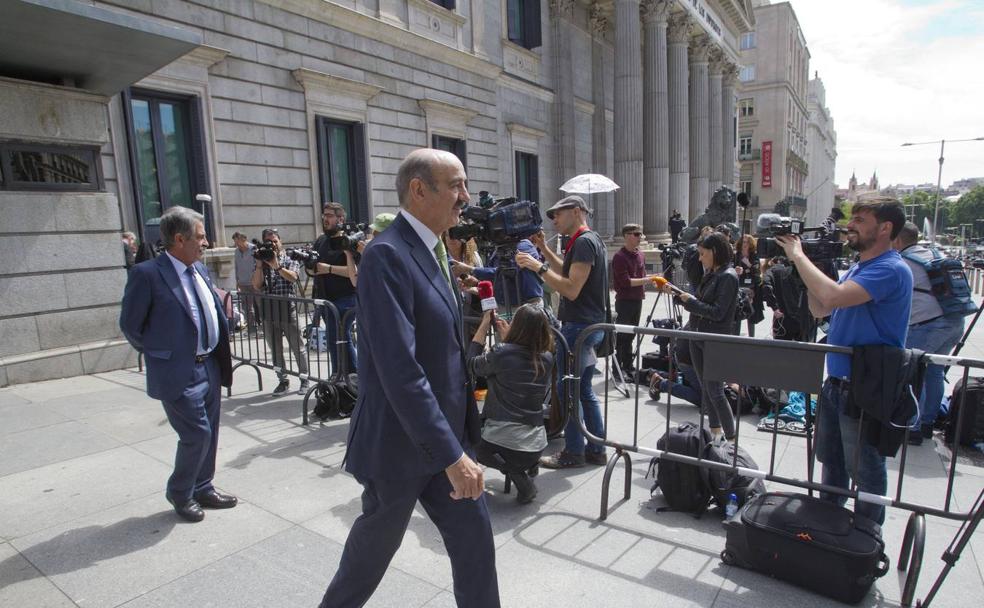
348, 236
820, 249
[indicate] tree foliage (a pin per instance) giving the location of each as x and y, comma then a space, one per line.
968, 208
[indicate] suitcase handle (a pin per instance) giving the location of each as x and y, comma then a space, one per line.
883, 564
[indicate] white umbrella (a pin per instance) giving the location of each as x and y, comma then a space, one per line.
589, 183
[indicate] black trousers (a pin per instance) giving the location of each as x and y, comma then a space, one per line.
506, 460
376, 535
628, 312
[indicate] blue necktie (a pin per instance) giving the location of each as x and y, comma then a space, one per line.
202, 324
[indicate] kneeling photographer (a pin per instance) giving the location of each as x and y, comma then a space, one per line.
275, 275
869, 305
519, 371
712, 310
335, 279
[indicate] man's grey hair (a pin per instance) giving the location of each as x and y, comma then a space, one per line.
909, 234
178, 220
129, 235
419, 164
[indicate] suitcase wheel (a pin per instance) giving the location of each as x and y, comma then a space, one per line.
728, 557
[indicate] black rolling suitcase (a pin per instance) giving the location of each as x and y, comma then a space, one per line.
811, 543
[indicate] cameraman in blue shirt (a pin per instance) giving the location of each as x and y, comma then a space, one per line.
869, 305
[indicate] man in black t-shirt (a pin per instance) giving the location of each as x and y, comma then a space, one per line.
582, 282
334, 281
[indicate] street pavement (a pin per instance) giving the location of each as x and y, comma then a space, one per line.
83, 520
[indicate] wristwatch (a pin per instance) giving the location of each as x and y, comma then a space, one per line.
543, 268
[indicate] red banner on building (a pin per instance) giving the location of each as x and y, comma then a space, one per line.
766, 164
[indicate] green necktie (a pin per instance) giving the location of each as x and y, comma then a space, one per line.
442, 261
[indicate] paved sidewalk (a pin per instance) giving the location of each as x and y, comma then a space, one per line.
84, 522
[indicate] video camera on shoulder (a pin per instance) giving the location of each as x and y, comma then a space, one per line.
498, 222
304, 255
264, 251
348, 236
770, 225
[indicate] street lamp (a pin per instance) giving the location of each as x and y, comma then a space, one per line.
939, 177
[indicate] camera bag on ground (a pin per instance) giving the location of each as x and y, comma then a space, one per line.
335, 399
683, 486
725, 483
947, 282
973, 422
811, 543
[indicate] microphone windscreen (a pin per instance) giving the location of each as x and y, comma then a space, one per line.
767, 220
486, 295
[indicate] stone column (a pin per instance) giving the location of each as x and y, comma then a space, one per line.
677, 38
564, 117
656, 103
604, 218
628, 113
715, 71
700, 140
729, 79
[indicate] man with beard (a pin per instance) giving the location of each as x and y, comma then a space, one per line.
869, 305
333, 282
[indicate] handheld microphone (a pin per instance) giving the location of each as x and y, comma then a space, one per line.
487, 296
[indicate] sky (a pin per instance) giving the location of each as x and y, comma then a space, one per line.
900, 71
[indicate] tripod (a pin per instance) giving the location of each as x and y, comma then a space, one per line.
619, 378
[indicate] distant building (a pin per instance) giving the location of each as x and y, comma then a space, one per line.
821, 155
856, 191
773, 113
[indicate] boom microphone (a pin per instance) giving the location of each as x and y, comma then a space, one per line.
487, 296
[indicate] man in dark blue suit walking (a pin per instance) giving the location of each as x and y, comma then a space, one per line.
172, 314
415, 425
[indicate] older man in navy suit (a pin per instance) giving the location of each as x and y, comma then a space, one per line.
172, 314
414, 426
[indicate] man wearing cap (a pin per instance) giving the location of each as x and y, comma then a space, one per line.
581, 279
334, 281
381, 222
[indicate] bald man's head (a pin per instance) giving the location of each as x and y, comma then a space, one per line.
420, 164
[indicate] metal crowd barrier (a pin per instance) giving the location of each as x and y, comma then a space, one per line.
289, 352
792, 366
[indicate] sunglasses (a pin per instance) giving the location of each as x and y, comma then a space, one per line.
636, 233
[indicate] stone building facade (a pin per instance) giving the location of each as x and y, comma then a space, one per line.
773, 113
821, 155
274, 107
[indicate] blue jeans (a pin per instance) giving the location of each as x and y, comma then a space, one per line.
939, 336
837, 436
574, 441
331, 325
684, 390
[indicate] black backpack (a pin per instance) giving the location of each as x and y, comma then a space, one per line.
724, 483
684, 486
973, 422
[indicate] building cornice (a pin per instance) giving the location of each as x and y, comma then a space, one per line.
311, 80
386, 32
205, 56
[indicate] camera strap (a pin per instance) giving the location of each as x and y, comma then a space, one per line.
570, 243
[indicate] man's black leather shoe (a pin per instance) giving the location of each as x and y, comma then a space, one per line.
189, 510
214, 500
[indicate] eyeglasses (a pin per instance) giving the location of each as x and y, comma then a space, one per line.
636, 233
